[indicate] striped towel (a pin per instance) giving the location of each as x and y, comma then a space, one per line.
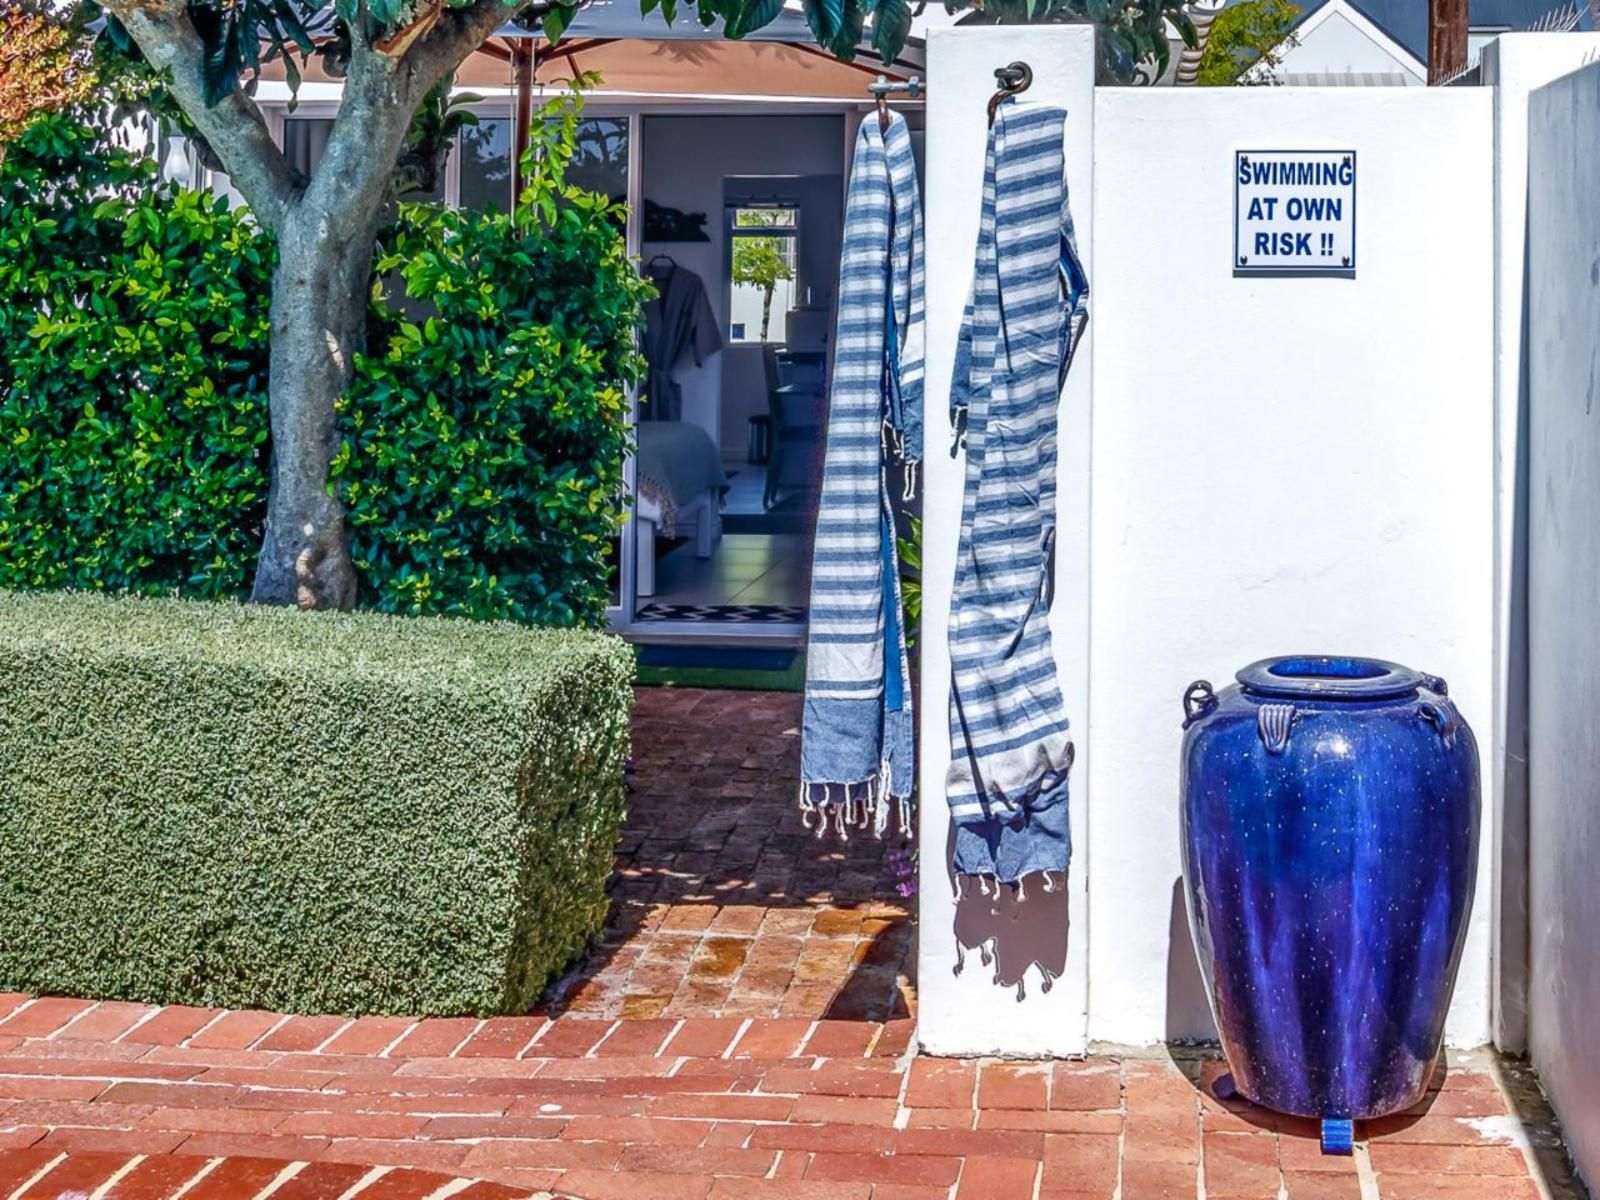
856, 748
1010, 751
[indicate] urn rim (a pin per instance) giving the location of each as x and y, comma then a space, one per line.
1330, 677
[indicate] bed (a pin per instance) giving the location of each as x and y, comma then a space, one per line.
680, 489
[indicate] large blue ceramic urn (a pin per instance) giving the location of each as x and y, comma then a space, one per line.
1330, 847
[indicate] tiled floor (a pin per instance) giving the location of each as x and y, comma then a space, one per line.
744, 568
739, 1037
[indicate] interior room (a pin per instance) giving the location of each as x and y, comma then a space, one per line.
741, 227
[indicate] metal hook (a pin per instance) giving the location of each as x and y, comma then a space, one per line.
1011, 80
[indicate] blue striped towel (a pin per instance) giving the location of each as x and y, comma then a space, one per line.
1010, 749
856, 749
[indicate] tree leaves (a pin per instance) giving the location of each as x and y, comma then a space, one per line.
557, 19
891, 25
484, 434
753, 15
133, 373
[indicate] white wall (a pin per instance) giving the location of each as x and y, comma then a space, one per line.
685, 159
970, 1013
1280, 466
1564, 600
1514, 64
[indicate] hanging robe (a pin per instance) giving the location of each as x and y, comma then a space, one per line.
856, 749
678, 320
1010, 749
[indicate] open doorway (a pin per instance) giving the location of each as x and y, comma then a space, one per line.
741, 232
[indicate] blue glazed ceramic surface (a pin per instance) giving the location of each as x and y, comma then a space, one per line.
1330, 838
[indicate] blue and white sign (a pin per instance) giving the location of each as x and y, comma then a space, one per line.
1294, 212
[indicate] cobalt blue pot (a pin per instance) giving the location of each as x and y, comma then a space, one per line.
1330, 848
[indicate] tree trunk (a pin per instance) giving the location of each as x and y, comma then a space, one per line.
319, 299
766, 313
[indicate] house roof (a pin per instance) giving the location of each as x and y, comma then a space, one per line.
1406, 21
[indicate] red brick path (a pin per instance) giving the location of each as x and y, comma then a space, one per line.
724, 904
726, 1108
762, 1058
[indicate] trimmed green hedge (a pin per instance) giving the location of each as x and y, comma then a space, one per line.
216, 804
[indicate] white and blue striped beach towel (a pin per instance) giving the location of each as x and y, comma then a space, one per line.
856, 759
1010, 748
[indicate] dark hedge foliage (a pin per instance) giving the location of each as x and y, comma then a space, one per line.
488, 423
133, 381
484, 433
217, 804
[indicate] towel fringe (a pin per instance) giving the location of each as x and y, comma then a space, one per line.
866, 804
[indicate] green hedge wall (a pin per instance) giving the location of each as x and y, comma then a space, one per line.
481, 440
217, 804
133, 373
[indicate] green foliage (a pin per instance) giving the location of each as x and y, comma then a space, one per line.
910, 550
487, 426
240, 36
133, 407
232, 805
1243, 35
484, 434
438, 121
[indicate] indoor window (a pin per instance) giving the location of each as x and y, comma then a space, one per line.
764, 252
599, 163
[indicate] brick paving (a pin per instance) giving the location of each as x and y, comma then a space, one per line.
723, 903
752, 1065
723, 1108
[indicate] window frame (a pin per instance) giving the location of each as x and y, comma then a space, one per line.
732, 230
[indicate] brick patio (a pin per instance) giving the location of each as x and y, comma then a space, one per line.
738, 1037
725, 905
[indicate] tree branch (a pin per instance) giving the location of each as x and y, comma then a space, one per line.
460, 31
385, 82
234, 126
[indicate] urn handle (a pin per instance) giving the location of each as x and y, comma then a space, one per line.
1198, 701
1273, 725
1436, 685
1441, 714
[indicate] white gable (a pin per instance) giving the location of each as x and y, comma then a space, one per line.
1337, 45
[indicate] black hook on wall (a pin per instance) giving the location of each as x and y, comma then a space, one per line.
1010, 80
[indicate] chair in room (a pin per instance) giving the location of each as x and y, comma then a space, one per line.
796, 430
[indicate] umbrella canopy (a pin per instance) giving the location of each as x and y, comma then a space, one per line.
640, 55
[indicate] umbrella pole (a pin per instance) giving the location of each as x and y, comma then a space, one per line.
522, 63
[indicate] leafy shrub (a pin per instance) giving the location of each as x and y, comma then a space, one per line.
1245, 34
133, 343
484, 434
488, 424
227, 805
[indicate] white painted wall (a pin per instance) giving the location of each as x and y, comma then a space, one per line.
969, 1013
1564, 598
1280, 466
1514, 64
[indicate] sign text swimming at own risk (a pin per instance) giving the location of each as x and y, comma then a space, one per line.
1294, 212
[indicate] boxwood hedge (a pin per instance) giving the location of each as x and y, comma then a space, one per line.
217, 804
